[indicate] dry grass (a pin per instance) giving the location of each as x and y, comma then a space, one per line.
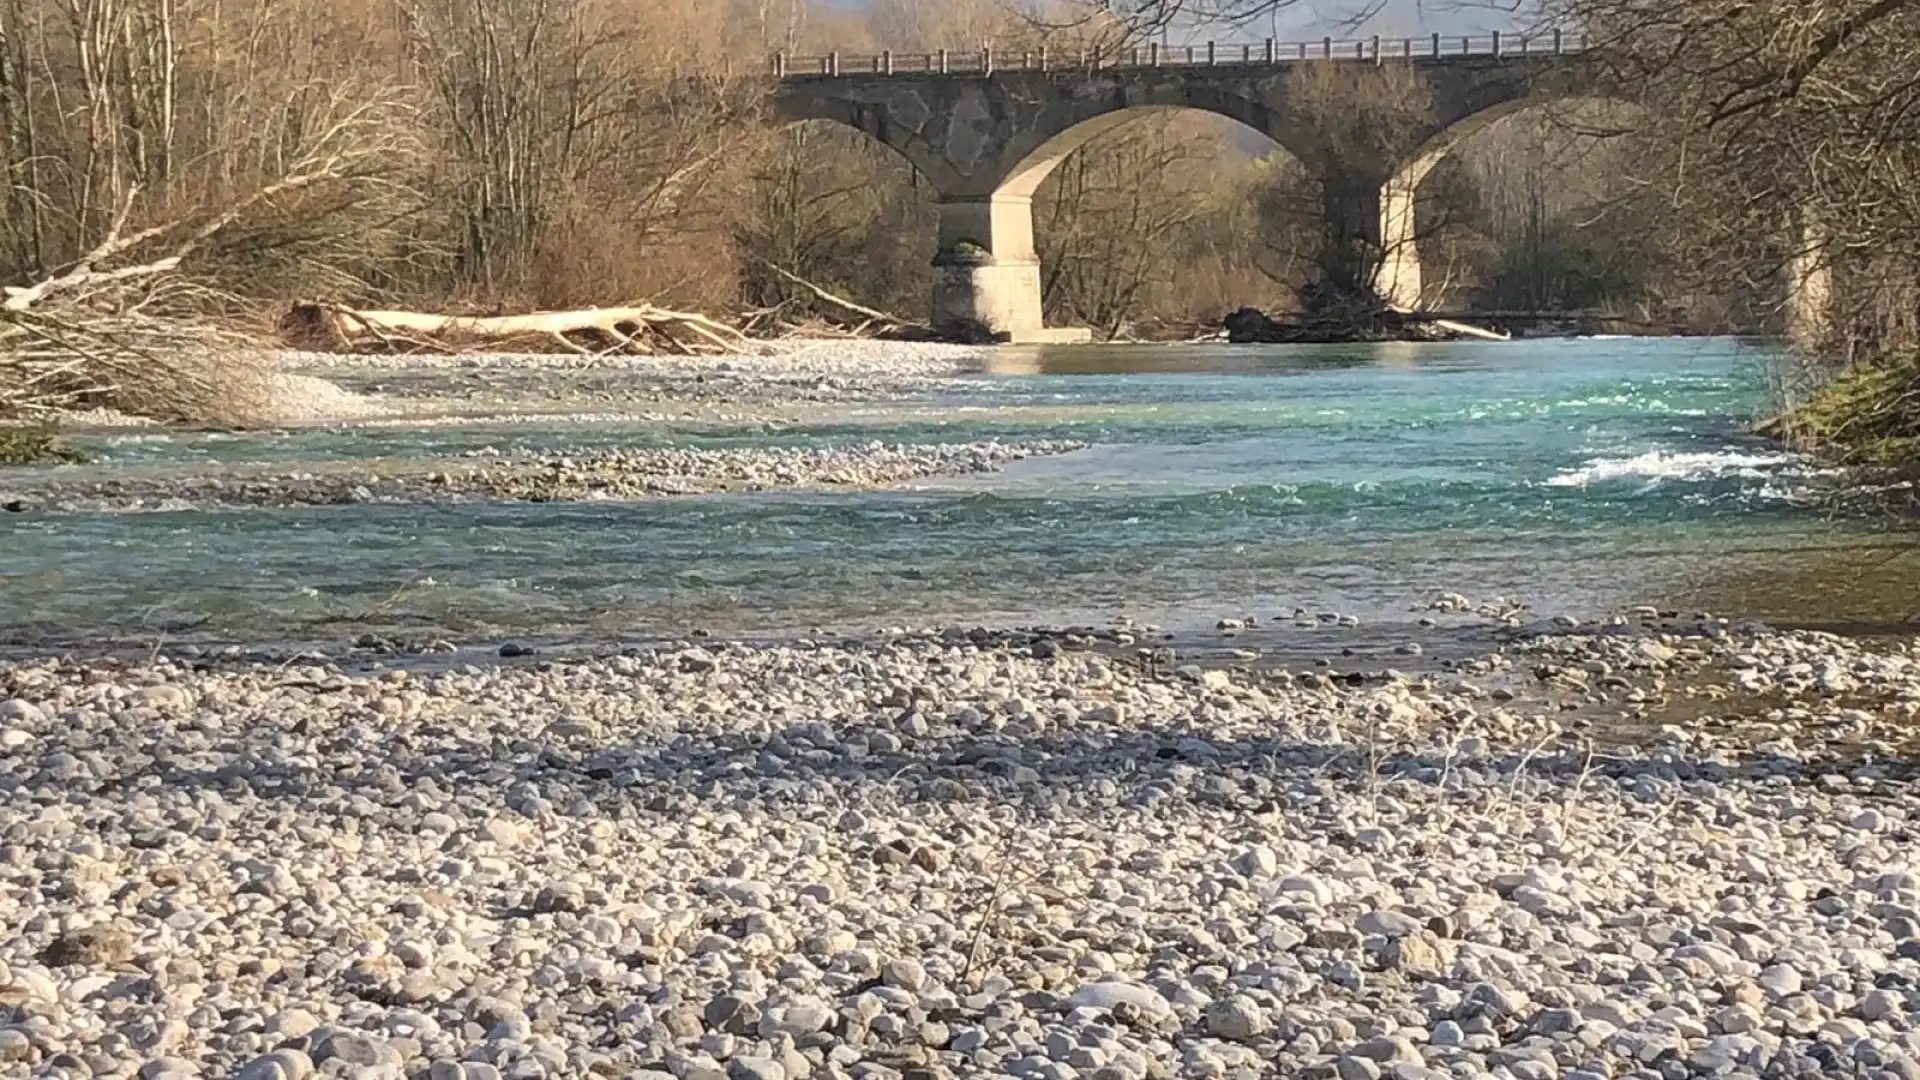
167, 369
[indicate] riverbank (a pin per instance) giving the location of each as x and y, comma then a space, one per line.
936, 858
586, 475
790, 379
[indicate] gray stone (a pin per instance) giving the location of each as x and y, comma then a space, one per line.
1420, 954
278, 1065
292, 1023
1238, 1017
1257, 861
1780, 981
800, 1016
1882, 1005
1110, 995
560, 896
354, 1048
1391, 924
15, 1046
1388, 1049
755, 1068
731, 1014
1350, 1067
905, 973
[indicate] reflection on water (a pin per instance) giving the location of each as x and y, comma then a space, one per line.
1204, 358
1223, 480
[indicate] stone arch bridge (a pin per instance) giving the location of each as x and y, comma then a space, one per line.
985, 131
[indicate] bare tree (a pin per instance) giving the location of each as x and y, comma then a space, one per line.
1111, 220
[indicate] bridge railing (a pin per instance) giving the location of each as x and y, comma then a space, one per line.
987, 60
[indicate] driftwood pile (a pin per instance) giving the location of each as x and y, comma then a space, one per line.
92, 335
1250, 325
642, 329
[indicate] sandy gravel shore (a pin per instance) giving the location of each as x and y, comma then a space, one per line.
583, 476
935, 858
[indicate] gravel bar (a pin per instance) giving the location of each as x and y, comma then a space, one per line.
932, 858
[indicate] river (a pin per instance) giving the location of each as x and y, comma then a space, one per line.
1577, 477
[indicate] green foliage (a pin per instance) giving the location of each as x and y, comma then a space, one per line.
35, 444
1870, 414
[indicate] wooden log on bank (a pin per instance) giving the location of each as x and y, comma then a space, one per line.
641, 329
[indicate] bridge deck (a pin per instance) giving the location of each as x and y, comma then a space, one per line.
1271, 53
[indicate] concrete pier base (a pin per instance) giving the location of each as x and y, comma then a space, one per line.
978, 293
986, 279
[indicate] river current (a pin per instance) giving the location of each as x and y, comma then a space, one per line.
1577, 477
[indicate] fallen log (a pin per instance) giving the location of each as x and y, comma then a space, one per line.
870, 315
1467, 330
639, 329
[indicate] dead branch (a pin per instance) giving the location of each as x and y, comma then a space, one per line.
872, 316
638, 329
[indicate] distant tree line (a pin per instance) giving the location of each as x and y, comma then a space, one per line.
506, 154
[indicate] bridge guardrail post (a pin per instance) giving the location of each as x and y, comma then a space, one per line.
1525, 44
1466, 46
1273, 50
1436, 46
886, 58
1326, 48
1559, 43
1496, 43
1153, 54
986, 59
1211, 57
1377, 58
779, 65
1043, 58
943, 62
1406, 48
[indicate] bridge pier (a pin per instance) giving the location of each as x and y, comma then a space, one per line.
1371, 255
986, 276
1398, 280
1809, 289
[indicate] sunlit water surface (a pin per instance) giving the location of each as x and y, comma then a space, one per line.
1579, 476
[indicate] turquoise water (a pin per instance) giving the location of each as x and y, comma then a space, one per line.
1579, 476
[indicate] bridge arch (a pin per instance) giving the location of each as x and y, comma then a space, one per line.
985, 139
988, 261
1033, 156
875, 121
1400, 280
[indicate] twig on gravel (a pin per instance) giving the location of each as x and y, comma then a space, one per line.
1651, 825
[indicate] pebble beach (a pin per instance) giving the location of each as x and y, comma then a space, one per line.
940, 857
